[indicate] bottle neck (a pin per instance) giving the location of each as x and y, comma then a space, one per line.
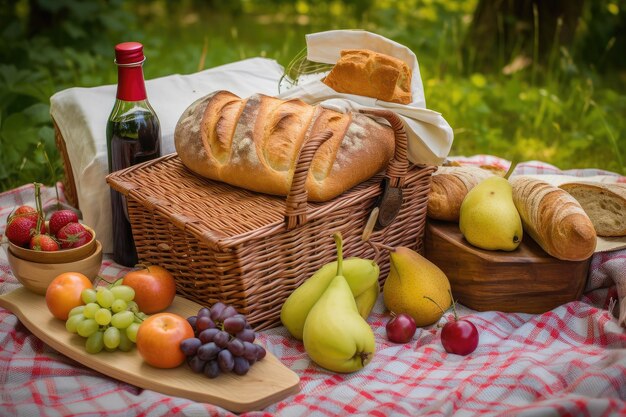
130, 83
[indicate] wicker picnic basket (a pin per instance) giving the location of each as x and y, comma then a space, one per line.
250, 250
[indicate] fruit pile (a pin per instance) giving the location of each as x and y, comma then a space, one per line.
109, 319
418, 294
321, 311
328, 312
216, 340
26, 228
109, 316
223, 342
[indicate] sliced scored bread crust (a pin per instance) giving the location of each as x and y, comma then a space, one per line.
604, 203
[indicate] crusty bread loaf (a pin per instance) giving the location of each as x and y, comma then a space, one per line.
254, 144
448, 188
554, 219
604, 203
371, 74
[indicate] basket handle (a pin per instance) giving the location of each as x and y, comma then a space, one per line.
399, 165
295, 212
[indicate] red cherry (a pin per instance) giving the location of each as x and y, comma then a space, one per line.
401, 328
459, 336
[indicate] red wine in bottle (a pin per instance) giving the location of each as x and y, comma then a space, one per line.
133, 136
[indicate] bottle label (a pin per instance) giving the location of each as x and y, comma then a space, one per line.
130, 85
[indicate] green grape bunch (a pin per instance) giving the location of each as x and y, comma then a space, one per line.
108, 320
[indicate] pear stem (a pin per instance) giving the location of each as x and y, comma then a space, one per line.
456, 316
510, 171
436, 303
339, 243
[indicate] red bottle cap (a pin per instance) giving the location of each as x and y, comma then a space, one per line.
129, 53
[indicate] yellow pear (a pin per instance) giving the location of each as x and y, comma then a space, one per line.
489, 219
412, 278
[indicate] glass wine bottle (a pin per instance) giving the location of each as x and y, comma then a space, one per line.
133, 136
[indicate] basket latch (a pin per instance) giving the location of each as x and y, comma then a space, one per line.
390, 200
389, 203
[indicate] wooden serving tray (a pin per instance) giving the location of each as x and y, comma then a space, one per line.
267, 381
526, 280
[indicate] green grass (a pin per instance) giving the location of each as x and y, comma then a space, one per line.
566, 113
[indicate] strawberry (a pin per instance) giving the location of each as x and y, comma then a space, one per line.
73, 235
20, 229
43, 242
25, 211
60, 218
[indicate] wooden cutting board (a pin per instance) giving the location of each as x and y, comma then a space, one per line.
268, 380
526, 280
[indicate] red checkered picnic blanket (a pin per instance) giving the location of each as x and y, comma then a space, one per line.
570, 361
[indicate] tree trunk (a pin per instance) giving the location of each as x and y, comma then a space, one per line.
505, 30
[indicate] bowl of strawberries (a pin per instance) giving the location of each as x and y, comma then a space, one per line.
40, 249
62, 238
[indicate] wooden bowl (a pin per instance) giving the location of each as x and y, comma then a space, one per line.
57, 257
36, 276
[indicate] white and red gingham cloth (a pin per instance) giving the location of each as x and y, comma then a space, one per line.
570, 361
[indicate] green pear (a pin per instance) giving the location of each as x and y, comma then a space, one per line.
367, 299
335, 335
412, 280
361, 275
489, 219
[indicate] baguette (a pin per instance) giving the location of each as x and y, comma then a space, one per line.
450, 185
254, 144
604, 203
554, 219
371, 74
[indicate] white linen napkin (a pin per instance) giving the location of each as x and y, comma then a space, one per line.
429, 134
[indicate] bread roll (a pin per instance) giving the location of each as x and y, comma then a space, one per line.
449, 186
554, 219
605, 204
371, 74
254, 144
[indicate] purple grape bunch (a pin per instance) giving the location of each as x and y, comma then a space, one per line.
223, 342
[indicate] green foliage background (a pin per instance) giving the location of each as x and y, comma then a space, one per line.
570, 112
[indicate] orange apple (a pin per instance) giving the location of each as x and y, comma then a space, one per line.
63, 293
154, 287
159, 337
